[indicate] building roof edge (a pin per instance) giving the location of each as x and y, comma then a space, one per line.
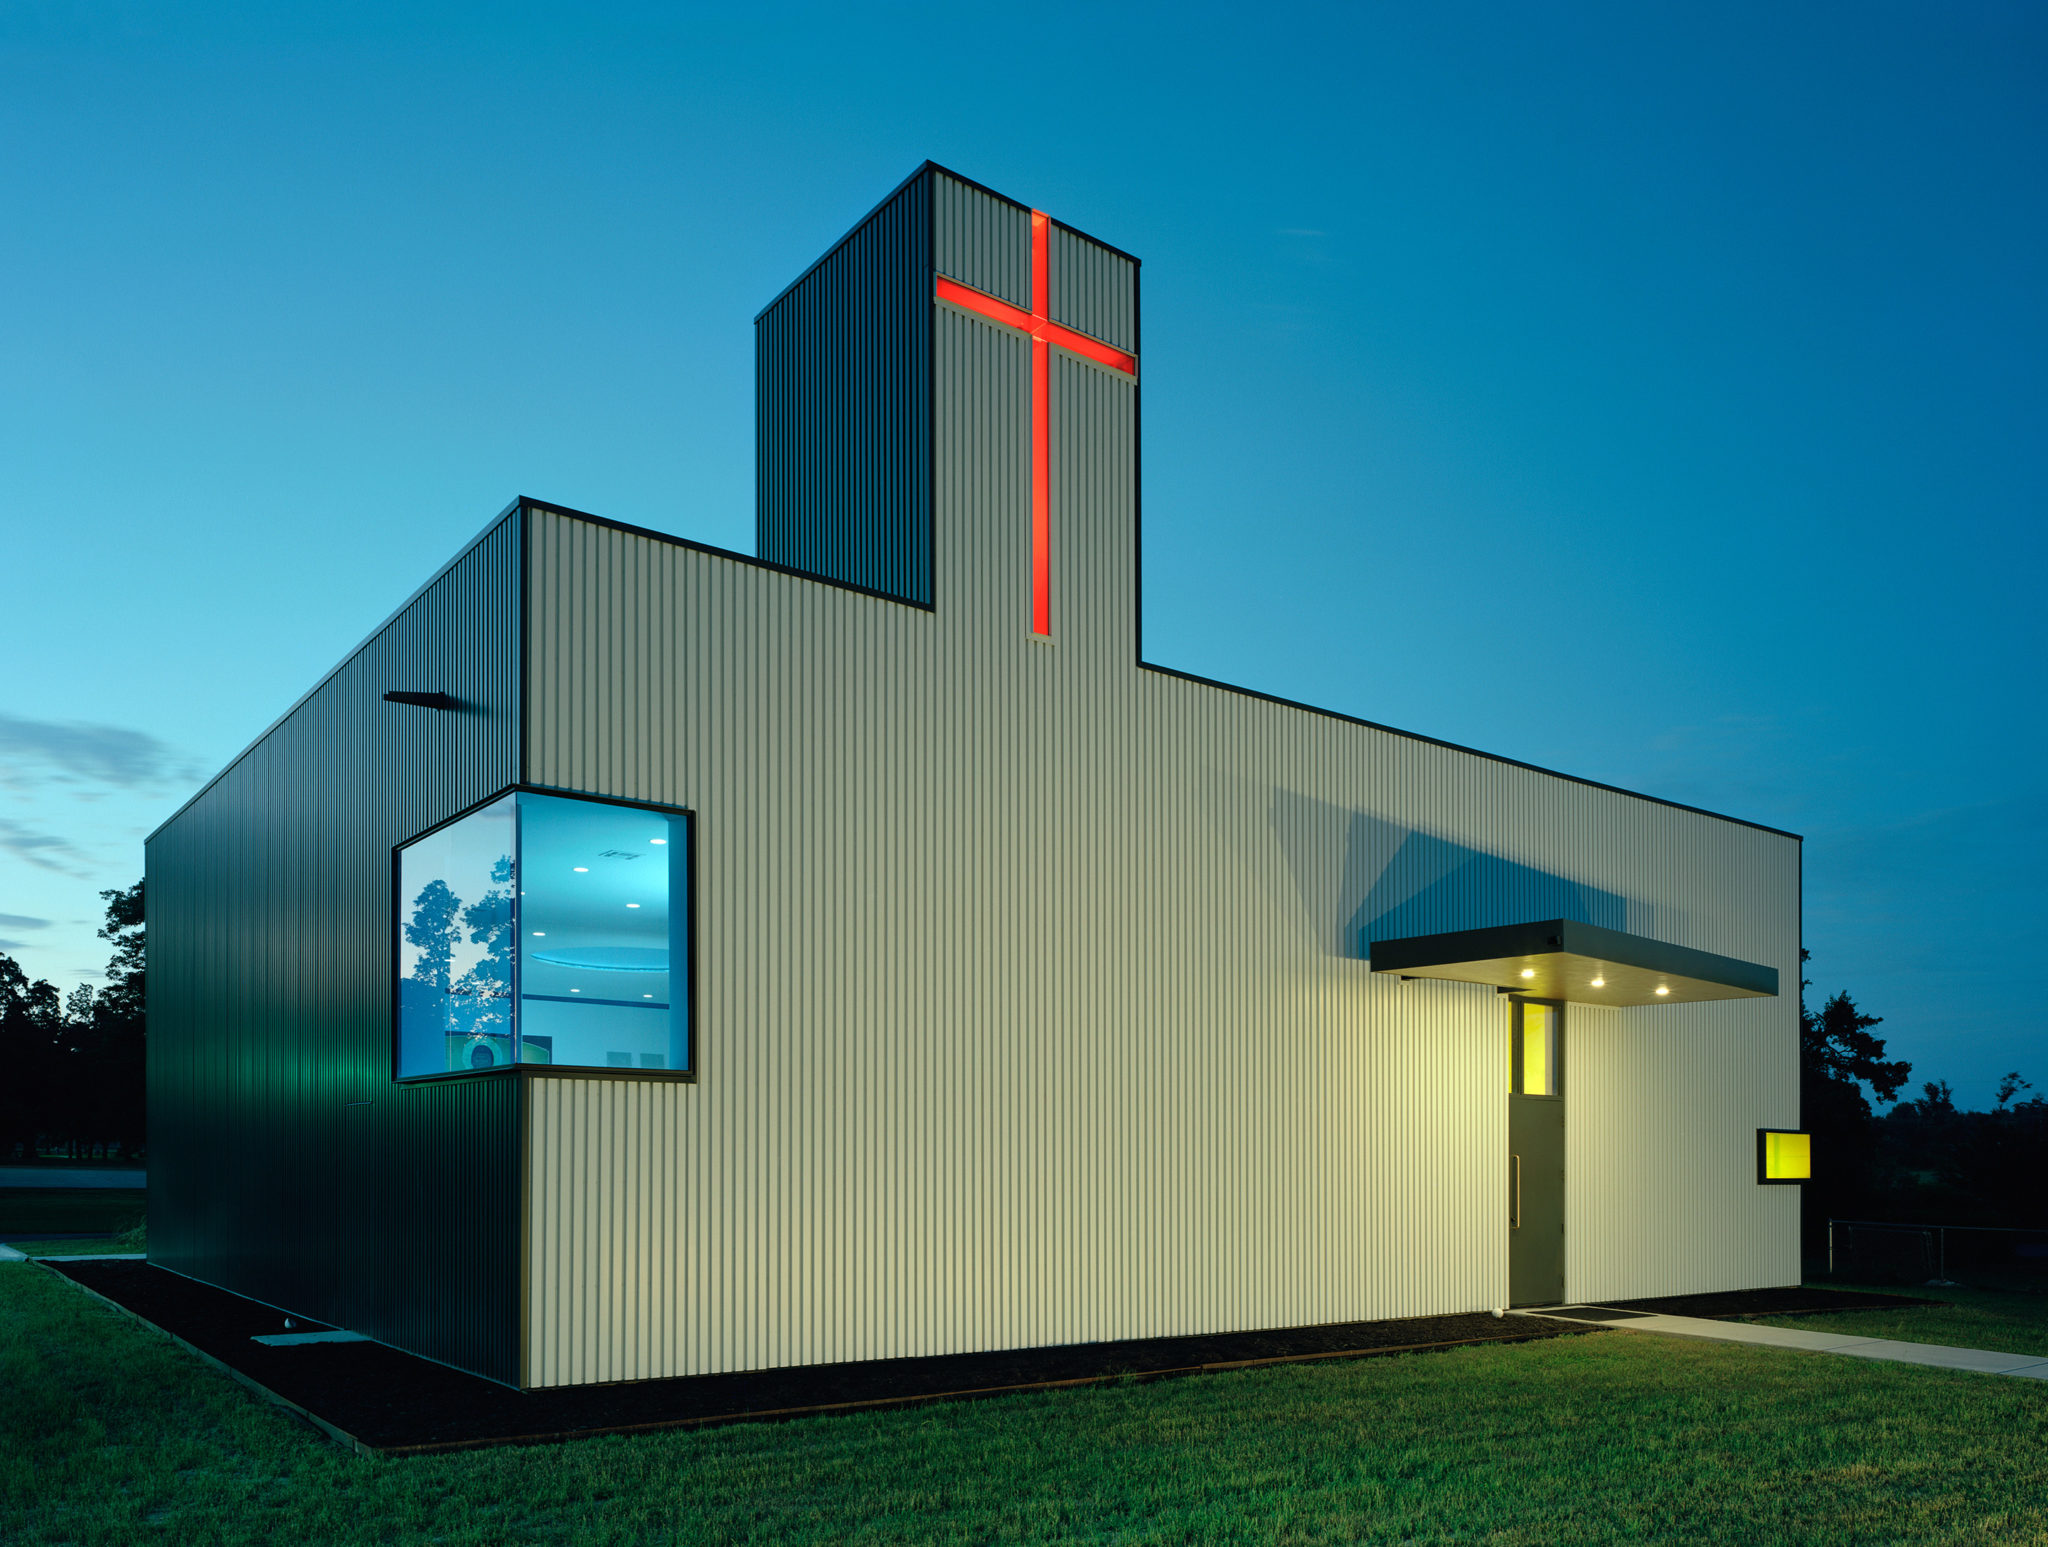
1453, 746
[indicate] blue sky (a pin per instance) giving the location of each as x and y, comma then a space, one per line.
1652, 393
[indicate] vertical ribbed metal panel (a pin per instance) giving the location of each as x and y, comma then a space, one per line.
1032, 1001
284, 1164
981, 240
843, 408
1092, 288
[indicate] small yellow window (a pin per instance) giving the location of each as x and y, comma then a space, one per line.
1535, 1056
1787, 1157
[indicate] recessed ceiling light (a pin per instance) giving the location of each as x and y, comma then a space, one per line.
646, 996
1662, 989
1599, 982
657, 840
581, 869
1528, 972
538, 933
575, 990
632, 905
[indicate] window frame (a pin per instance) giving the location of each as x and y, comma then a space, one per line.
1763, 1144
688, 902
1516, 1003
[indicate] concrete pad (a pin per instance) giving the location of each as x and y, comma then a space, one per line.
9, 1254
1943, 1358
1743, 1332
100, 1257
1727, 1331
1934, 1355
293, 1339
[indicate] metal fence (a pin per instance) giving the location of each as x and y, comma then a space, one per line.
1880, 1251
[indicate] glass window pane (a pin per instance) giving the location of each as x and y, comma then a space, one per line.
604, 957
455, 910
1788, 1157
1538, 1050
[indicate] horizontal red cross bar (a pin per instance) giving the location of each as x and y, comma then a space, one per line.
1038, 327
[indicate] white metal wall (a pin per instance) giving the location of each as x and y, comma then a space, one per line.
1031, 1005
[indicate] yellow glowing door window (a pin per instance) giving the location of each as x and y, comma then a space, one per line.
1788, 1157
1535, 1061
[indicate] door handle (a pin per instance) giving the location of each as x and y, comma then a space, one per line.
1515, 1209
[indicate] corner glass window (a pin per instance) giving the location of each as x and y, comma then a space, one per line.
1534, 1061
544, 929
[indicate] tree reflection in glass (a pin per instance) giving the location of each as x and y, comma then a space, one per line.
456, 945
545, 929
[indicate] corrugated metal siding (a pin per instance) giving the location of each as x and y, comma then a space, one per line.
270, 977
843, 408
1092, 289
981, 240
1032, 1004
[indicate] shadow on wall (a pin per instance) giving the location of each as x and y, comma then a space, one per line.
1363, 878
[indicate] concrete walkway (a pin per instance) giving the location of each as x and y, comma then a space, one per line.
73, 1176
1984, 1360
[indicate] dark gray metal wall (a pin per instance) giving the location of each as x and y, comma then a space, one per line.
285, 1164
843, 407
1094, 288
982, 240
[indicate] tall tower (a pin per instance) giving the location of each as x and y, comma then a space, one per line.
852, 437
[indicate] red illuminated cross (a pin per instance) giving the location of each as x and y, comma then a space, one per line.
1044, 333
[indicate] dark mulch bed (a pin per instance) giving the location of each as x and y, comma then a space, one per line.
386, 1401
1740, 1304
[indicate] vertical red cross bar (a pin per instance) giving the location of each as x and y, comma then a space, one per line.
1038, 326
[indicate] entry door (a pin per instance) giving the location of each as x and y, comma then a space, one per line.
1535, 1156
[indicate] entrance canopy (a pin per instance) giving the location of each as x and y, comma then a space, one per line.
1582, 963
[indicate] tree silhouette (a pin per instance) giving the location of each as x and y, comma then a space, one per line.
488, 982
434, 932
31, 1038
1838, 1057
123, 998
1837, 1045
112, 1028
75, 1065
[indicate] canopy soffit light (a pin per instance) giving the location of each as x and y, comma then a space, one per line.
1580, 963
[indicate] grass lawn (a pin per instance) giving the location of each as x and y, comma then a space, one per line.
2012, 1323
111, 1435
31, 1211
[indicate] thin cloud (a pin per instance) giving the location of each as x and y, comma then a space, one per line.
22, 921
13, 945
74, 751
46, 851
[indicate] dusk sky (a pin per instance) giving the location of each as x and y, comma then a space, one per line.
1655, 394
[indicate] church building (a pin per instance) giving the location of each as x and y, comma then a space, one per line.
639, 959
